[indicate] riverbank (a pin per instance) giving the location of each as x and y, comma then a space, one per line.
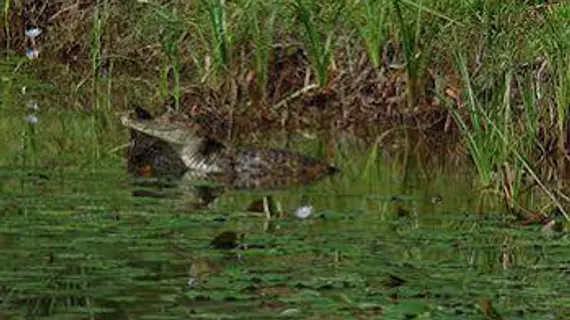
484, 82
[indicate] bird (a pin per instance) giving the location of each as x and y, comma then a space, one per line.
179, 145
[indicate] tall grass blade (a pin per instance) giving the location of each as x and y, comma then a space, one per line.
6, 11
96, 35
319, 52
263, 29
220, 37
409, 44
373, 29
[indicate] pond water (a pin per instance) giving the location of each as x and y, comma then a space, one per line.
75, 244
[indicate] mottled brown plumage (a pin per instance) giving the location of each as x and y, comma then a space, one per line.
174, 144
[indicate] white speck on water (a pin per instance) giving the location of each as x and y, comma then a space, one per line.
32, 119
303, 212
33, 32
290, 312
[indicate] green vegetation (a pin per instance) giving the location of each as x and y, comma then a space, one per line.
467, 98
499, 68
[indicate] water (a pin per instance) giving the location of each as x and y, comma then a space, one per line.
76, 245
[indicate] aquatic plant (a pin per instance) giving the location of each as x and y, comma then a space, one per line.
318, 43
372, 17
262, 25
